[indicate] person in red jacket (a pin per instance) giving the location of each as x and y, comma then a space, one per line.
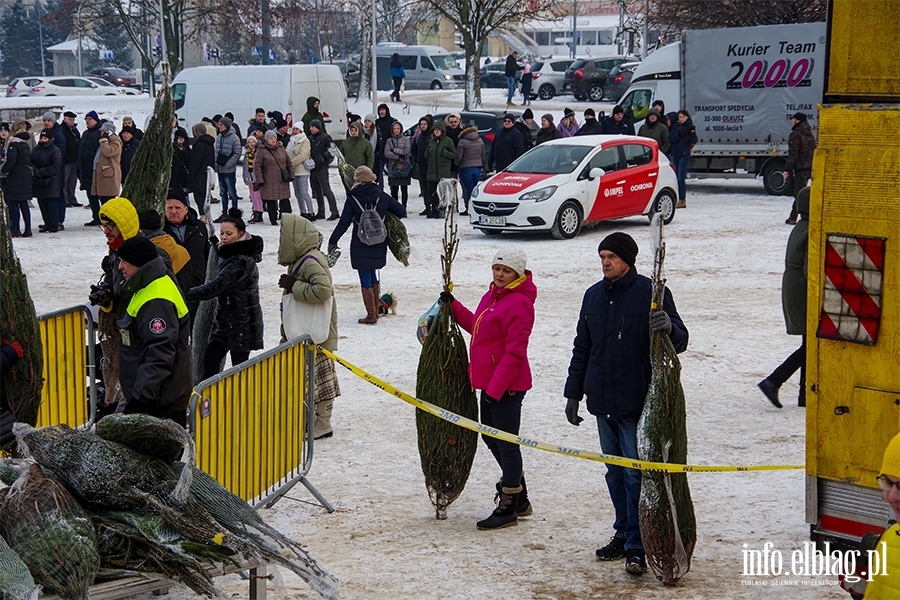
498, 366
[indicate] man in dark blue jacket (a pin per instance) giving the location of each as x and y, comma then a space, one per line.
611, 366
508, 145
618, 123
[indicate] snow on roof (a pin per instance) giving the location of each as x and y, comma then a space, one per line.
72, 46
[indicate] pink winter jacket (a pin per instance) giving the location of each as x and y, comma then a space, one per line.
500, 328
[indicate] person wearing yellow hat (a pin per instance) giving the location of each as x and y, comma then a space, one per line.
886, 584
119, 222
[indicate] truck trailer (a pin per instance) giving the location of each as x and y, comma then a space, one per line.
740, 85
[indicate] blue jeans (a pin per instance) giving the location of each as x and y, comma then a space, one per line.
367, 277
681, 164
505, 415
468, 177
511, 89
227, 188
619, 438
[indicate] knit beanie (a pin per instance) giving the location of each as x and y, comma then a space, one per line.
364, 174
568, 113
618, 109
93, 114
138, 251
589, 112
225, 122
622, 245
890, 464
549, 118
799, 116
270, 134
108, 126
513, 258
176, 193
47, 133
316, 123
528, 114
149, 220
48, 116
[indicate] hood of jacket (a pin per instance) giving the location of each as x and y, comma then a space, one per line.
523, 285
252, 248
387, 111
440, 125
198, 130
471, 129
360, 130
803, 202
298, 238
311, 103
122, 212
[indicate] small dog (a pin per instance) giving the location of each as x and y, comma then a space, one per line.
387, 303
405, 109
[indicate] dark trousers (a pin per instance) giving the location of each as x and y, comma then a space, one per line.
50, 213
71, 180
15, 208
321, 189
200, 199
505, 415
271, 207
398, 81
94, 202
431, 199
403, 190
800, 179
146, 408
797, 360
215, 354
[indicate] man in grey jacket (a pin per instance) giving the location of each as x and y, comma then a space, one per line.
228, 155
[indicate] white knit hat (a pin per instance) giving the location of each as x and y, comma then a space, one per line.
512, 258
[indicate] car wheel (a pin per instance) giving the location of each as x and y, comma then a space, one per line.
436, 85
581, 98
595, 92
546, 92
774, 181
567, 223
111, 94
491, 231
51, 95
665, 206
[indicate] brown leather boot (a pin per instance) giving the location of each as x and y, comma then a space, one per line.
376, 290
371, 317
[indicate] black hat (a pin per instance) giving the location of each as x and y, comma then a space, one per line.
799, 116
47, 133
527, 114
216, 118
622, 245
568, 113
230, 115
138, 251
589, 112
618, 109
127, 129
149, 220
69, 114
316, 123
4, 126
176, 193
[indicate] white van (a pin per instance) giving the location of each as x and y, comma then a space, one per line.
205, 91
426, 67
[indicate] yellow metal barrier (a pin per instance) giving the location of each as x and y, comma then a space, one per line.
68, 395
252, 424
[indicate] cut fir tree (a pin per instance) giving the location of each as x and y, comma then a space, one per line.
446, 451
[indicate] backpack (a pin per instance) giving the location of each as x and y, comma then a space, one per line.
371, 230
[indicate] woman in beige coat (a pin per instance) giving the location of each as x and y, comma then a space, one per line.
298, 151
107, 164
268, 164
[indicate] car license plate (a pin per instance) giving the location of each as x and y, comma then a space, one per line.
500, 221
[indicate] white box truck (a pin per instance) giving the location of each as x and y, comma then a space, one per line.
205, 91
741, 86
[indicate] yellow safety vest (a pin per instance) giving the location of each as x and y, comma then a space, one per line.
162, 288
886, 585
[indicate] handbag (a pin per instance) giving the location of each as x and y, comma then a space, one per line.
400, 169
286, 176
309, 164
221, 159
299, 318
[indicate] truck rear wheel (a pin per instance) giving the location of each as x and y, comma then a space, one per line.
774, 181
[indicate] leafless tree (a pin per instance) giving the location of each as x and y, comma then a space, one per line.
678, 15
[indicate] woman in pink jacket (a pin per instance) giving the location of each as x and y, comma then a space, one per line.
498, 366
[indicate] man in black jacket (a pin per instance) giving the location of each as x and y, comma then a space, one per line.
70, 158
508, 145
618, 123
90, 142
189, 232
611, 366
154, 354
591, 125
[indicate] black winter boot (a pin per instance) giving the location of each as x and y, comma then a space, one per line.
523, 506
505, 513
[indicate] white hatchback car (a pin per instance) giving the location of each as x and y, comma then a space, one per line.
560, 184
69, 85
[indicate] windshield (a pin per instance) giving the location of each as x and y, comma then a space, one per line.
119, 72
444, 62
550, 160
578, 64
99, 81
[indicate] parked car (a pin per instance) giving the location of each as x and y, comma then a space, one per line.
494, 75
488, 124
116, 76
618, 79
61, 86
562, 183
128, 91
586, 76
549, 76
350, 71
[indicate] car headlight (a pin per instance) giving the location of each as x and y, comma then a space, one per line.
475, 191
538, 195
448, 77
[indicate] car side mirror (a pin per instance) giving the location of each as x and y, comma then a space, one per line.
596, 173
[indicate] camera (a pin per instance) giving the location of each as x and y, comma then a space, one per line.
100, 294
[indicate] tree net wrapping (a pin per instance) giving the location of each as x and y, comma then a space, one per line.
446, 451
666, 512
16, 582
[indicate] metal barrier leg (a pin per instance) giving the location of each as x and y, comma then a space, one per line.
258, 580
270, 500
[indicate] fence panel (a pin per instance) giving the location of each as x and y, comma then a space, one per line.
68, 395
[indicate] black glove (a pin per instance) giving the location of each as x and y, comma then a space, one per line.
447, 297
256, 187
287, 282
332, 248
572, 411
660, 321
214, 240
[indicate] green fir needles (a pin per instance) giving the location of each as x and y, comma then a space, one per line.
445, 450
668, 526
18, 323
147, 183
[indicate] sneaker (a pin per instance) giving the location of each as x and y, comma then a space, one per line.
614, 550
220, 219
635, 561
770, 390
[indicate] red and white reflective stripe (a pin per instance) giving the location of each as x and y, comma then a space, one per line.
852, 292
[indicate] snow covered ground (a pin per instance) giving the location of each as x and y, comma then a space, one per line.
724, 262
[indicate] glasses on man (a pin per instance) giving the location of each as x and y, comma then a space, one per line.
886, 484
507, 120
107, 227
